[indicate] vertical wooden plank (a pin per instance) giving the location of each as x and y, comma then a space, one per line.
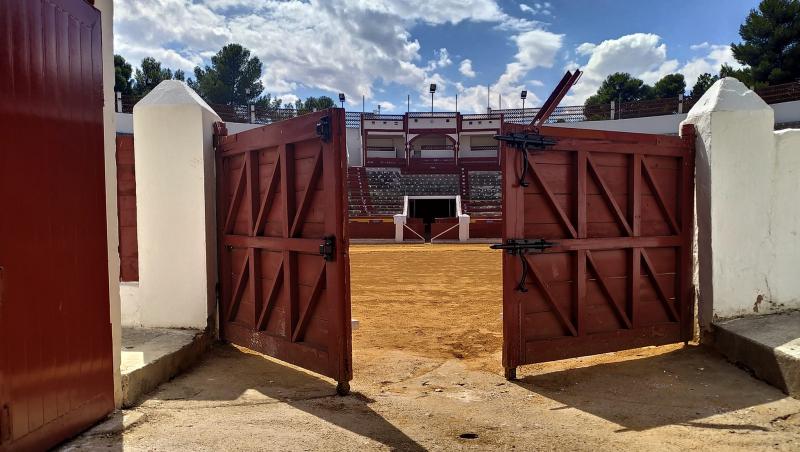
634, 286
635, 193
579, 318
686, 212
289, 258
253, 204
334, 201
513, 227
582, 157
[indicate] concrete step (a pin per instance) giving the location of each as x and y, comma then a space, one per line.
768, 345
152, 356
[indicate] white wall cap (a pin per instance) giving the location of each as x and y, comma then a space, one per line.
727, 94
170, 93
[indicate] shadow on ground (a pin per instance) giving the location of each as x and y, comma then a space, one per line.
230, 377
679, 387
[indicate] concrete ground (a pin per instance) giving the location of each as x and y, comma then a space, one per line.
429, 378
767, 345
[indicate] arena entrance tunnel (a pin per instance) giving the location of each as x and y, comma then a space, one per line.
429, 208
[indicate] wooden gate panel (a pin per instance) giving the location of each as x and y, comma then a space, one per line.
56, 370
618, 209
281, 194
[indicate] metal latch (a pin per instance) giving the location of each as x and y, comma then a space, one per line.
328, 248
324, 128
522, 142
521, 247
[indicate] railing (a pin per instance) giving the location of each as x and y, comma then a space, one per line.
437, 147
786, 92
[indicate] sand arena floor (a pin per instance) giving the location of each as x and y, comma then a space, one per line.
427, 376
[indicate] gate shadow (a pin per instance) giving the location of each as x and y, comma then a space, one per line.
230, 376
681, 387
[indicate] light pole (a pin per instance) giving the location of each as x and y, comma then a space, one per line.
433, 90
341, 99
522, 96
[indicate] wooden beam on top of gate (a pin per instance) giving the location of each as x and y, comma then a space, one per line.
551, 197
608, 196
659, 196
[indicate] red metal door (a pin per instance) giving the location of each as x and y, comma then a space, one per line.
284, 268
612, 270
56, 375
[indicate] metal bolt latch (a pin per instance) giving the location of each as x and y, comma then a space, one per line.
328, 248
520, 248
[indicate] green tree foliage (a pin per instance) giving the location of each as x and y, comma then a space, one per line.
703, 83
122, 75
771, 42
179, 75
744, 75
617, 87
316, 103
670, 85
232, 78
149, 76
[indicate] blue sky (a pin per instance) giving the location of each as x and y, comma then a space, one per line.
388, 49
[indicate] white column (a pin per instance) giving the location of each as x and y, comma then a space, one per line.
106, 8
175, 209
734, 167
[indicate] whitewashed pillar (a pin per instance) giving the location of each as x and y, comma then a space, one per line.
734, 168
175, 209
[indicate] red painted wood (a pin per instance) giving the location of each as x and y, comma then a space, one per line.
619, 275
126, 210
281, 190
56, 371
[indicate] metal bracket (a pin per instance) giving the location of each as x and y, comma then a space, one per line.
521, 247
328, 248
324, 128
522, 142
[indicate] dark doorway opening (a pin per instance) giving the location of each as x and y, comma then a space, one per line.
428, 210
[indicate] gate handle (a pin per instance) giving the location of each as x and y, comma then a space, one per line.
520, 248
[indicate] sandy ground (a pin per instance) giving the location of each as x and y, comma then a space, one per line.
427, 377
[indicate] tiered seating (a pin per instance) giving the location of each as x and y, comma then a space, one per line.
485, 198
430, 184
385, 191
357, 191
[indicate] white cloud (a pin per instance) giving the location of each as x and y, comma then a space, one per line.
702, 45
526, 9
642, 55
387, 106
348, 46
465, 68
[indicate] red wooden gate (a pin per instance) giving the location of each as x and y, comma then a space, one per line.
56, 374
602, 229
284, 267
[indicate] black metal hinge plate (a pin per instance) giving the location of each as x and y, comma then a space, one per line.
324, 128
328, 248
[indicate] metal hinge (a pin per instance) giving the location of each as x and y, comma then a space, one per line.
328, 248
522, 142
5, 424
324, 128
521, 247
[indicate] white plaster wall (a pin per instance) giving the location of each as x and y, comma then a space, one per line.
175, 205
124, 123
784, 277
106, 8
390, 125
787, 111
354, 156
746, 203
432, 123
480, 124
667, 124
